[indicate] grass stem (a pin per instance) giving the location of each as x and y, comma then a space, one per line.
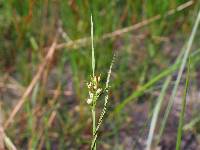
181, 119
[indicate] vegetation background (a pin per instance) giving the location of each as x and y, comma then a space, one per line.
45, 62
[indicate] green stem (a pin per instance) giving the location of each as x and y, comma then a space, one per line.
94, 122
181, 119
93, 146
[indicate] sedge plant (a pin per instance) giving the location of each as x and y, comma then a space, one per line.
95, 91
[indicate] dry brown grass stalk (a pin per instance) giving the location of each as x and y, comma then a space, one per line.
29, 89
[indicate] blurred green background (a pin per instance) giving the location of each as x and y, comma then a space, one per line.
29, 27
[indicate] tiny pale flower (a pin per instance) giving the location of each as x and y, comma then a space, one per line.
89, 101
89, 85
98, 91
91, 95
98, 78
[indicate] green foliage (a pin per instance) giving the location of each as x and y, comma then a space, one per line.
144, 58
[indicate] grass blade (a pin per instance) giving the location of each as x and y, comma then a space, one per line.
183, 63
143, 88
181, 119
156, 112
192, 123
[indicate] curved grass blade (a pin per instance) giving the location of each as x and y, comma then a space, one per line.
183, 63
156, 112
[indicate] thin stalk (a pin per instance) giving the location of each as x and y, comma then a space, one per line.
92, 41
181, 119
94, 121
93, 147
93, 127
156, 113
95, 133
